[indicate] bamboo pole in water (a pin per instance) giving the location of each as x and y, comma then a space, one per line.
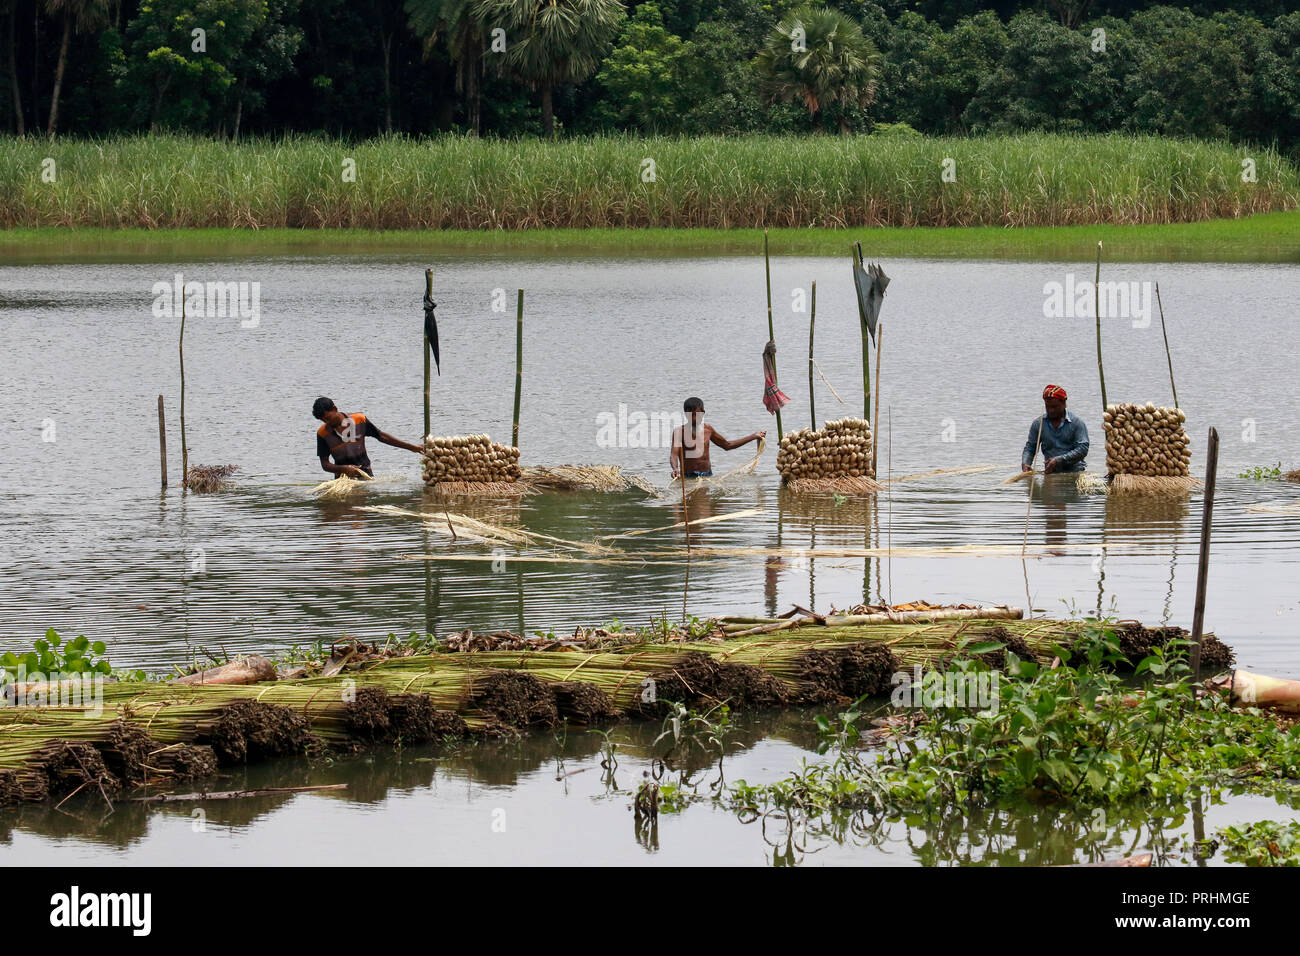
1203, 567
185, 448
1096, 308
875, 429
1168, 358
519, 364
428, 347
162, 441
812, 324
771, 333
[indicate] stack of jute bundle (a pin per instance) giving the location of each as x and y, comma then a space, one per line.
1147, 449
471, 464
835, 457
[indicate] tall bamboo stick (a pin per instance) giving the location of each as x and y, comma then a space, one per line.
812, 324
771, 333
185, 448
1096, 308
162, 441
519, 363
1168, 358
1203, 567
428, 347
875, 429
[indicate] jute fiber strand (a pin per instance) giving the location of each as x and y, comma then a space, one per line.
1147, 449
601, 478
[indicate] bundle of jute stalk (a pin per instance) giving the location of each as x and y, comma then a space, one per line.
835, 457
1147, 449
466, 460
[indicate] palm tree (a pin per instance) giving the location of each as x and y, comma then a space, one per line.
466, 39
549, 42
81, 15
820, 58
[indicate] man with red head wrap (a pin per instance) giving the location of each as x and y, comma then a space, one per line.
1064, 438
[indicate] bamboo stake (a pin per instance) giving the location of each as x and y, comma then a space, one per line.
519, 362
812, 324
185, 448
1169, 358
1096, 308
428, 347
875, 429
771, 333
162, 441
866, 361
1203, 568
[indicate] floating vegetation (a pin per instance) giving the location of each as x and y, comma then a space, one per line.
209, 478
605, 478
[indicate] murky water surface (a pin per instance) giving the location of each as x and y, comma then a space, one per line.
92, 546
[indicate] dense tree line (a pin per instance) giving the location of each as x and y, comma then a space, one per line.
521, 67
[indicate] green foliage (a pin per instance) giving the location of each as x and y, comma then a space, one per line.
720, 182
821, 59
1260, 473
180, 79
642, 73
1265, 843
1074, 734
892, 129
52, 655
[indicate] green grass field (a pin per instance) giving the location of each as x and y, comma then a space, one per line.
1272, 237
817, 182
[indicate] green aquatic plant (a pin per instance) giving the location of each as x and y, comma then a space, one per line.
53, 655
1264, 843
1261, 473
1064, 734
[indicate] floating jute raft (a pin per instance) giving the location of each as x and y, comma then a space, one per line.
1147, 450
835, 457
162, 733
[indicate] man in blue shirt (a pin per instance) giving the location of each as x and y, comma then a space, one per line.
1064, 438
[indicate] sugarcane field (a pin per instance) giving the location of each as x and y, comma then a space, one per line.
626, 433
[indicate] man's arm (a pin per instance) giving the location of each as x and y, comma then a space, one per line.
388, 439
1031, 447
677, 453
729, 445
352, 471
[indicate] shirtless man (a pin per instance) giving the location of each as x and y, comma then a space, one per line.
693, 454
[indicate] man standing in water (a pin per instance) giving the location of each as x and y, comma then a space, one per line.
691, 442
344, 437
1064, 437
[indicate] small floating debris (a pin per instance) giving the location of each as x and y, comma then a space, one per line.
205, 479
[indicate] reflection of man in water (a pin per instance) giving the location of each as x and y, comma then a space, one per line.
1064, 437
691, 442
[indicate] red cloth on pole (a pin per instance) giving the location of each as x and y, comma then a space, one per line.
773, 397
